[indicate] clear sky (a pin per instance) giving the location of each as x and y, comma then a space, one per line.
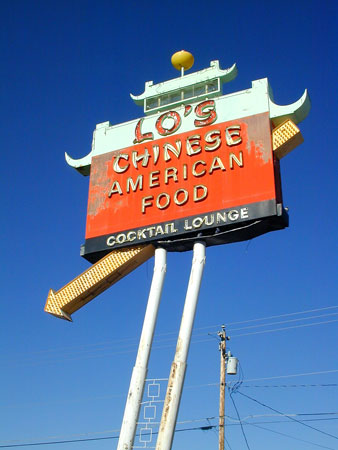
68, 65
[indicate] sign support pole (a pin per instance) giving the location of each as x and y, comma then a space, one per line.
137, 382
178, 367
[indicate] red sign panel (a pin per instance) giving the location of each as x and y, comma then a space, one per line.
212, 178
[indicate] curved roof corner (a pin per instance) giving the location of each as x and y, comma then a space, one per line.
296, 111
82, 165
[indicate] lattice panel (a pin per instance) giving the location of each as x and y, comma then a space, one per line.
150, 414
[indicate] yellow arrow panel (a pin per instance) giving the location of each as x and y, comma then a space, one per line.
285, 138
95, 280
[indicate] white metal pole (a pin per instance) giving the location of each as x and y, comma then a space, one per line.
178, 367
133, 403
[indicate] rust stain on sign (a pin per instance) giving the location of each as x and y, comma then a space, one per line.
99, 174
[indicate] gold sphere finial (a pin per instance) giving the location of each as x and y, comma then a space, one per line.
182, 60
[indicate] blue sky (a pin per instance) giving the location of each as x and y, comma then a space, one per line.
67, 66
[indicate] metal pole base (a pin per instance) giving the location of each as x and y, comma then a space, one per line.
178, 367
138, 378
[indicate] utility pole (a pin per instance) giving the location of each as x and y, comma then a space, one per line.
222, 348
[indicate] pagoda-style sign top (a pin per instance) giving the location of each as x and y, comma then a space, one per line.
186, 89
182, 94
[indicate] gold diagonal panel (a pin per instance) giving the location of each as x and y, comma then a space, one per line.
95, 280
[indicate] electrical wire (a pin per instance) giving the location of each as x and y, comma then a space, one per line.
270, 331
285, 328
135, 340
284, 321
71, 441
289, 417
257, 424
255, 416
203, 428
289, 436
271, 317
196, 386
128, 345
54, 360
227, 442
322, 372
289, 385
243, 432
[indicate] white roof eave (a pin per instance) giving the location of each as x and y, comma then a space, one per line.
296, 111
212, 72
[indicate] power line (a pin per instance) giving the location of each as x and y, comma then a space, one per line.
289, 417
286, 328
157, 347
202, 428
243, 432
126, 340
265, 331
227, 442
255, 416
199, 386
284, 321
322, 372
257, 424
71, 441
272, 317
289, 385
323, 419
289, 436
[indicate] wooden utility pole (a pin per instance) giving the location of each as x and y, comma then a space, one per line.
222, 348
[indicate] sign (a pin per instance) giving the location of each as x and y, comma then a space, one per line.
95, 280
213, 177
198, 165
